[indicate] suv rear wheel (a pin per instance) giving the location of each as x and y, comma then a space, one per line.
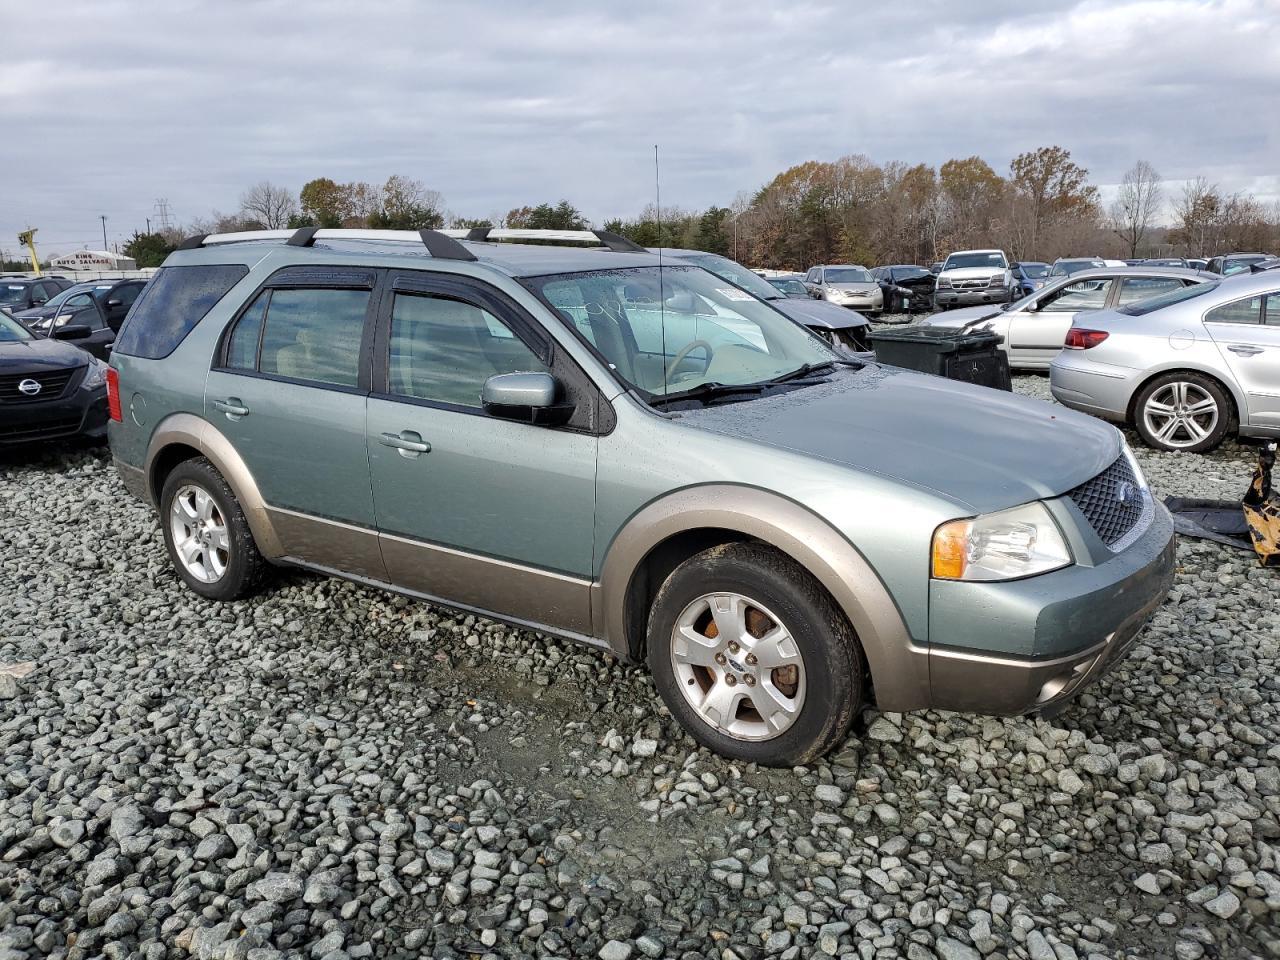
753, 657
207, 534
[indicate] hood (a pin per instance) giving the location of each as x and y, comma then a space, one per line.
913, 283
961, 316
983, 449
35, 313
972, 273
819, 313
861, 286
39, 355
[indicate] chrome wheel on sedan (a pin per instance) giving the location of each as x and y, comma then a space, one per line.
738, 666
199, 533
1183, 410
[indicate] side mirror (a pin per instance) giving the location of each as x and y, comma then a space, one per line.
527, 398
114, 302
39, 301
73, 331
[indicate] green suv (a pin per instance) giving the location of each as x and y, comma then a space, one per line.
636, 454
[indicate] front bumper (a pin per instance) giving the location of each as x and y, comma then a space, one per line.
1047, 637
77, 413
863, 303
968, 298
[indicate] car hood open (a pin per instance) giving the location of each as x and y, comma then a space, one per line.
819, 313
983, 449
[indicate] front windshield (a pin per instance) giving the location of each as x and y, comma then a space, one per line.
1142, 307
910, 273
961, 261
1239, 264
735, 273
847, 275
789, 286
11, 331
13, 293
1064, 268
1035, 271
668, 330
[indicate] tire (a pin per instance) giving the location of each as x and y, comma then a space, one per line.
760, 589
223, 562
1164, 412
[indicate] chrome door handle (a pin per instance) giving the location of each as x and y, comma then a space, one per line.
1241, 350
407, 442
231, 407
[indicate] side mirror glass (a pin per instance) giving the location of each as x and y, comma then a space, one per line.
526, 397
113, 303
73, 331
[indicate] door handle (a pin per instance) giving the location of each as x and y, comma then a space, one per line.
232, 407
409, 443
1241, 350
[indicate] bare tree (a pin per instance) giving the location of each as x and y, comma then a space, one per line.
268, 205
1136, 205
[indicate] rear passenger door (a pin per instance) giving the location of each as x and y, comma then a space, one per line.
1036, 337
288, 388
480, 511
1247, 332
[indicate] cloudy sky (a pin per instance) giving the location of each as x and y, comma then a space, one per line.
108, 105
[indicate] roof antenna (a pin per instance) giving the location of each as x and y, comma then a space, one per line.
662, 297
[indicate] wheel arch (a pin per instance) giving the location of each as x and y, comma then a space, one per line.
183, 436
667, 531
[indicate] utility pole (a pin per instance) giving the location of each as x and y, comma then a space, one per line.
103, 218
148, 219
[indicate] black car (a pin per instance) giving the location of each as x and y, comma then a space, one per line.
49, 389
23, 293
100, 305
791, 285
906, 287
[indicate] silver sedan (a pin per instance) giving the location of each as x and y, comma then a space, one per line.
1184, 367
1035, 327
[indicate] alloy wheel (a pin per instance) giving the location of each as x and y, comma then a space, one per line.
199, 533
1180, 414
738, 666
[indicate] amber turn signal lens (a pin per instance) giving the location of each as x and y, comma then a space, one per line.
950, 543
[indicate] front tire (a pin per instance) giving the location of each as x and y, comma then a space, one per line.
753, 657
1182, 411
207, 534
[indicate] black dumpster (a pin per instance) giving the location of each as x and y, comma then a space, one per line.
972, 356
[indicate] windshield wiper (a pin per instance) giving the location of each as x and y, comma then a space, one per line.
707, 391
805, 370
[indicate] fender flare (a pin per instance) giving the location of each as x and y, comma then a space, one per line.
193, 431
899, 668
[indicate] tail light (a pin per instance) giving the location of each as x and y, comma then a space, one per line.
113, 395
1078, 339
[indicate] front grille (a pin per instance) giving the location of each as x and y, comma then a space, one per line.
970, 284
53, 384
1112, 502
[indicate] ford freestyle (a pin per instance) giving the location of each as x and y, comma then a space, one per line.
635, 455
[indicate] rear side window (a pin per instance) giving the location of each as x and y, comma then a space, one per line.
311, 335
172, 304
1238, 311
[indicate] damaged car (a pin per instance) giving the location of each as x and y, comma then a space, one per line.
906, 288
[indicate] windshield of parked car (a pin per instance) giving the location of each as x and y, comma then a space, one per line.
846, 275
1064, 268
1034, 271
737, 274
910, 273
961, 261
788, 286
11, 331
1142, 307
1164, 263
668, 330
1239, 264
13, 293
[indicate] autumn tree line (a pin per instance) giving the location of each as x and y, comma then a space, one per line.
850, 210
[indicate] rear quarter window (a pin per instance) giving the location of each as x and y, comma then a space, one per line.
171, 305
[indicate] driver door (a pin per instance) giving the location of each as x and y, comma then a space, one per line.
1036, 336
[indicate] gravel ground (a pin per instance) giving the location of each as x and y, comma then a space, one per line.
329, 772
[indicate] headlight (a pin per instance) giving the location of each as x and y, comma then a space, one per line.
96, 377
1000, 546
999, 282
62, 319
944, 283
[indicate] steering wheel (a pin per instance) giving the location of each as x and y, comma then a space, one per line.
687, 349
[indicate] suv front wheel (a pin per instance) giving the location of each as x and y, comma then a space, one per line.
753, 657
207, 534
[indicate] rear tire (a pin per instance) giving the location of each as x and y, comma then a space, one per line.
1182, 411
207, 534
753, 657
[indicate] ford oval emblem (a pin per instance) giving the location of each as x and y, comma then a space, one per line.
30, 387
1126, 493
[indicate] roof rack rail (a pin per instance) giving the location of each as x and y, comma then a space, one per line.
438, 244
611, 241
